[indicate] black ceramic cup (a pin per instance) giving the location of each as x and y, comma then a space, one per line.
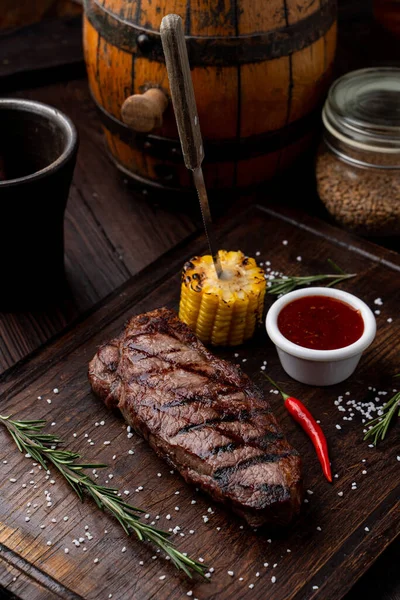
38, 146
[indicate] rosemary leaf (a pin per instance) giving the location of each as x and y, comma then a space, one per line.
286, 284
30, 439
379, 426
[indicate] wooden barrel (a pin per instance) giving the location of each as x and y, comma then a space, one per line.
260, 72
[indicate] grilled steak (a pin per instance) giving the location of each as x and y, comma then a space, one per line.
202, 415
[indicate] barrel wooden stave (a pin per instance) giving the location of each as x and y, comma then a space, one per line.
238, 101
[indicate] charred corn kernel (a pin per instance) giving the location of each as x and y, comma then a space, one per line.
224, 311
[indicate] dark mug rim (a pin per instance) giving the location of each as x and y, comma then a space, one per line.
57, 117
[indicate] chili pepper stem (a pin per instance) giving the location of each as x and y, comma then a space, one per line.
284, 396
304, 418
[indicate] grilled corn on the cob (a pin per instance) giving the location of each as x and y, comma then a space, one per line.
225, 311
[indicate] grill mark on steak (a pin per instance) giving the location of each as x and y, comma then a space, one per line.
190, 368
202, 414
261, 441
204, 399
243, 415
222, 472
227, 448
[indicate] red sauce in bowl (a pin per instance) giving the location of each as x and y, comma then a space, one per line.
320, 323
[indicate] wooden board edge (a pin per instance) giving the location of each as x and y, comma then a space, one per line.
151, 274
154, 273
355, 563
35, 576
338, 236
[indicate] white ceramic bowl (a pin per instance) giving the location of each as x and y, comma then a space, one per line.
320, 367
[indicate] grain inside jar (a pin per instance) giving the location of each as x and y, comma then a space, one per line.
358, 163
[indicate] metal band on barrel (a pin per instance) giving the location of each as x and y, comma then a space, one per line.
215, 150
218, 50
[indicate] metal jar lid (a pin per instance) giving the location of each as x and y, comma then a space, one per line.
362, 112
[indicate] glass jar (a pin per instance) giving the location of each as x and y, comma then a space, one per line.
358, 163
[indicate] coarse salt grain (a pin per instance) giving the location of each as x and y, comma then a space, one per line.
251, 586
340, 494
366, 528
285, 242
231, 573
315, 587
273, 579
96, 560
107, 443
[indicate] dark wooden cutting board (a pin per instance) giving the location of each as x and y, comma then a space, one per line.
335, 539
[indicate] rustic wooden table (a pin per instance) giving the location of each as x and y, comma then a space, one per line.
104, 247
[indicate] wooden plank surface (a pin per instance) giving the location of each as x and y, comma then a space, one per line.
110, 232
49, 50
332, 557
361, 43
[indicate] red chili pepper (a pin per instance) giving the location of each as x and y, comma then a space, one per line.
305, 419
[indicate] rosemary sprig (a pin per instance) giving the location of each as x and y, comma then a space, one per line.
380, 425
42, 447
284, 285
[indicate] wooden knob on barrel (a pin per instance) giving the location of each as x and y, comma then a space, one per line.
144, 112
